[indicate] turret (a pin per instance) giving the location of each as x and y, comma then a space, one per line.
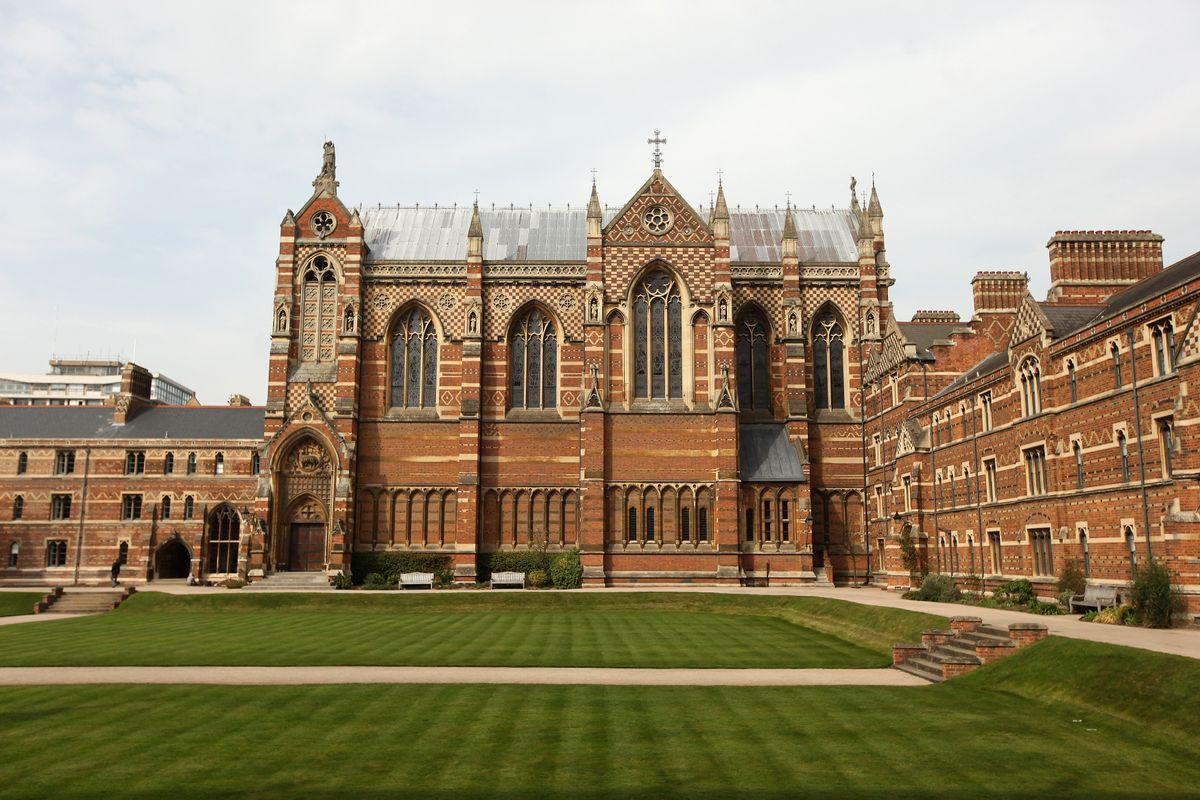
595, 216
475, 234
720, 215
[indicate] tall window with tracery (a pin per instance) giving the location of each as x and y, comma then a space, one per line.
1163, 334
224, 528
753, 379
828, 361
1031, 386
414, 361
319, 311
534, 355
657, 338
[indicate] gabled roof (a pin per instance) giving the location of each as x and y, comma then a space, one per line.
394, 233
924, 334
1177, 274
765, 455
988, 365
156, 422
1066, 319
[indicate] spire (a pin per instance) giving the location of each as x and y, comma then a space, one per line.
864, 226
873, 207
476, 229
326, 180
789, 224
594, 203
288, 219
854, 206
720, 210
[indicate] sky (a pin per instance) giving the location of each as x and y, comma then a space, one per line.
148, 150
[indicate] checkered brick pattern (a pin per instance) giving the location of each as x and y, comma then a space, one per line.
336, 252
695, 264
686, 227
501, 301
1190, 349
324, 393
769, 298
844, 297
444, 302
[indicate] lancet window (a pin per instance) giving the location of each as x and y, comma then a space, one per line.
319, 311
754, 390
534, 357
657, 338
414, 361
829, 361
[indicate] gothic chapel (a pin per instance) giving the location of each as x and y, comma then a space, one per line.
654, 384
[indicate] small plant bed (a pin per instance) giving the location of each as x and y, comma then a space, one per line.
14, 604
1011, 595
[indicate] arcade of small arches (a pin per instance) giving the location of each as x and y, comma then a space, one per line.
659, 515
522, 517
408, 517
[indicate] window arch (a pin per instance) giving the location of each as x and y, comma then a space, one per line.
533, 353
752, 348
1074, 383
414, 361
318, 310
657, 337
219, 464
1123, 445
1031, 386
829, 360
168, 463
18, 507
165, 507
22, 462
1163, 334
191, 464
189, 505
1115, 352
1077, 447
255, 463
224, 529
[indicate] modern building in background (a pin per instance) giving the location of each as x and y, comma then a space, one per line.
83, 382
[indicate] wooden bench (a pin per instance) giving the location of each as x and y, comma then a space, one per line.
508, 579
1095, 597
416, 579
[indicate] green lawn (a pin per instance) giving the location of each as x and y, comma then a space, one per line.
990, 735
14, 604
471, 629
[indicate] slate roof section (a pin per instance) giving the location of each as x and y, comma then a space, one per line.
924, 334
989, 364
560, 234
157, 422
1067, 319
1175, 275
766, 456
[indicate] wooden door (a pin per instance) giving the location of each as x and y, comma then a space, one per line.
306, 547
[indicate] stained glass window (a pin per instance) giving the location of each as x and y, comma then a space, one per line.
752, 375
829, 379
657, 338
414, 361
534, 354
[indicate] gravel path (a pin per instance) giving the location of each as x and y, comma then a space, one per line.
590, 676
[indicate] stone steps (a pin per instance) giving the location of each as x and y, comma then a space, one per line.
968, 645
76, 602
291, 582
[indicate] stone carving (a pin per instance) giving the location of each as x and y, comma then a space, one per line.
446, 301
501, 302
566, 301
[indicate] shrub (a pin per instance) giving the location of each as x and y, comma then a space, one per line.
1036, 606
343, 581
1015, 593
389, 564
939, 589
514, 561
908, 549
1112, 616
233, 583
538, 578
566, 571
378, 581
1070, 579
1152, 599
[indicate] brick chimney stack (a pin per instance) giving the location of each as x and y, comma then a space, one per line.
1087, 267
135, 394
999, 292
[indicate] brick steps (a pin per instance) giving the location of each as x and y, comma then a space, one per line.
65, 601
968, 645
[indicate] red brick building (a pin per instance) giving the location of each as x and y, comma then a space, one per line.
675, 391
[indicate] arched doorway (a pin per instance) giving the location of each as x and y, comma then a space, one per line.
306, 494
172, 561
305, 536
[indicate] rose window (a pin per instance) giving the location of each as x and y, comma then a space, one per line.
657, 219
323, 223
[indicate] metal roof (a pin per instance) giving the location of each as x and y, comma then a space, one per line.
560, 234
156, 422
766, 455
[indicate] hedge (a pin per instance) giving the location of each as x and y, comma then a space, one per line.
391, 563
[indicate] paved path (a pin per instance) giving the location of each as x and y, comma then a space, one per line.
272, 676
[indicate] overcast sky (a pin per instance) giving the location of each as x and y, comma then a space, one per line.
149, 150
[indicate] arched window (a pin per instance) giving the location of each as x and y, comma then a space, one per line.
1031, 386
224, 528
165, 507
219, 464
318, 310
1166, 440
1123, 445
191, 464
414, 361
631, 529
22, 462
534, 354
828, 361
1074, 385
189, 506
1164, 345
18, 507
1115, 352
168, 463
753, 378
1078, 449
1087, 556
936, 430
14, 553
1131, 545
123, 553
255, 463
657, 338
962, 411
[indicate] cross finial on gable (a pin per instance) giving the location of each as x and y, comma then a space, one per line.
656, 141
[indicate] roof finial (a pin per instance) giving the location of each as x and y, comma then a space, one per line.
476, 229
326, 180
593, 176
789, 223
854, 206
721, 211
874, 208
593, 211
656, 141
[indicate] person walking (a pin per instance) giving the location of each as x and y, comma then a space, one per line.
116, 571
